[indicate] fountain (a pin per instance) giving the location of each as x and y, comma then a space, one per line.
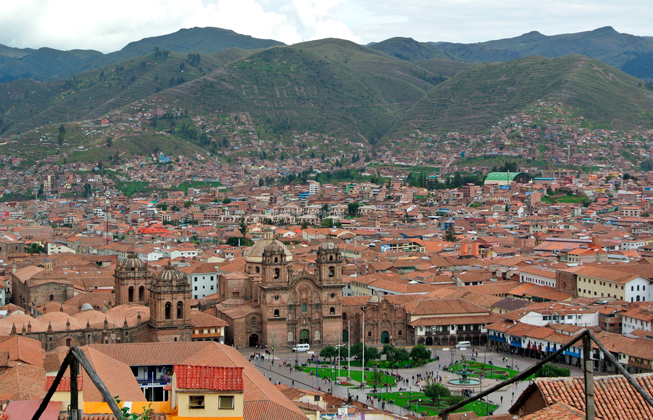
464, 376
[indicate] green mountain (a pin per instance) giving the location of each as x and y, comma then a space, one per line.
27, 103
329, 86
47, 64
409, 49
479, 96
619, 50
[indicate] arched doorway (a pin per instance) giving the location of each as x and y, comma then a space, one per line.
385, 337
253, 340
345, 336
429, 341
304, 337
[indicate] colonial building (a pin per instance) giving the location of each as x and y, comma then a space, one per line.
271, 303
148, 309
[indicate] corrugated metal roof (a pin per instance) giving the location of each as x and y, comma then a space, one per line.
25, 409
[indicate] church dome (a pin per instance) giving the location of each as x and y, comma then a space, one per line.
274, 248
374, 299
169, 273
87, 307
132, 261
328, 247
255, 253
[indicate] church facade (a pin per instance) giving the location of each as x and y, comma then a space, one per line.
282, 306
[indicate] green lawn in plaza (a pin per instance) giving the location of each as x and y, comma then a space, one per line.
356, 375
487, 370
402, 399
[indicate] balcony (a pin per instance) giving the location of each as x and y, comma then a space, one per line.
206, 335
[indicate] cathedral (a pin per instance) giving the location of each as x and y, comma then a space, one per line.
272, 303
148, 309
167, 295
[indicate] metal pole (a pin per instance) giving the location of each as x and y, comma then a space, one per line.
363, 361
349, 349
588, 369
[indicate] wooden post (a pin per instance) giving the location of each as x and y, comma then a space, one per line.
588, 369
81, 357
74, 397
52, 390
622, 370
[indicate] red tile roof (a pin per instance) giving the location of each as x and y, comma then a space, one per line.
64, 384
213, 378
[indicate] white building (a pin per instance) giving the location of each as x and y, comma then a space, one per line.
203, 280
542, 276
639, 318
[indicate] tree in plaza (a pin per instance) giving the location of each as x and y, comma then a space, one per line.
375, 378
329, 352
436, 392
450, 234
371, 353
420, 352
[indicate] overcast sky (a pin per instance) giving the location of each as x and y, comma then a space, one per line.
109, 25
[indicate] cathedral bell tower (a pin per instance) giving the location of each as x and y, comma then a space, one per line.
329, 264
132, 280
275, 265
170, 296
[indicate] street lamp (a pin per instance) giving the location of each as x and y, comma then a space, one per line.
363, 361
349, 348
272, 364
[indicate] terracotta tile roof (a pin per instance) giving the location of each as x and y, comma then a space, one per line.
212, 378
23, 349
23, 382
262, 399
615, 398
117, 377
442, 307
204, 320
557, 411
64, 384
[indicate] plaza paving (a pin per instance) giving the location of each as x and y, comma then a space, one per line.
504, 398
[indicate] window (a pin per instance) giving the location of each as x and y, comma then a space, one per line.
304, 307
141, 294
168, 310
276, 259
276, 273
226, 402
332, 271
333, 295
276, 297
332, 311
180, 310
196, 401
51, 298
258, 269
130, 294
276, 313
317, 307
399, 332
369, 333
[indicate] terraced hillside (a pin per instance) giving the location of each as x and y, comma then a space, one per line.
479, 96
